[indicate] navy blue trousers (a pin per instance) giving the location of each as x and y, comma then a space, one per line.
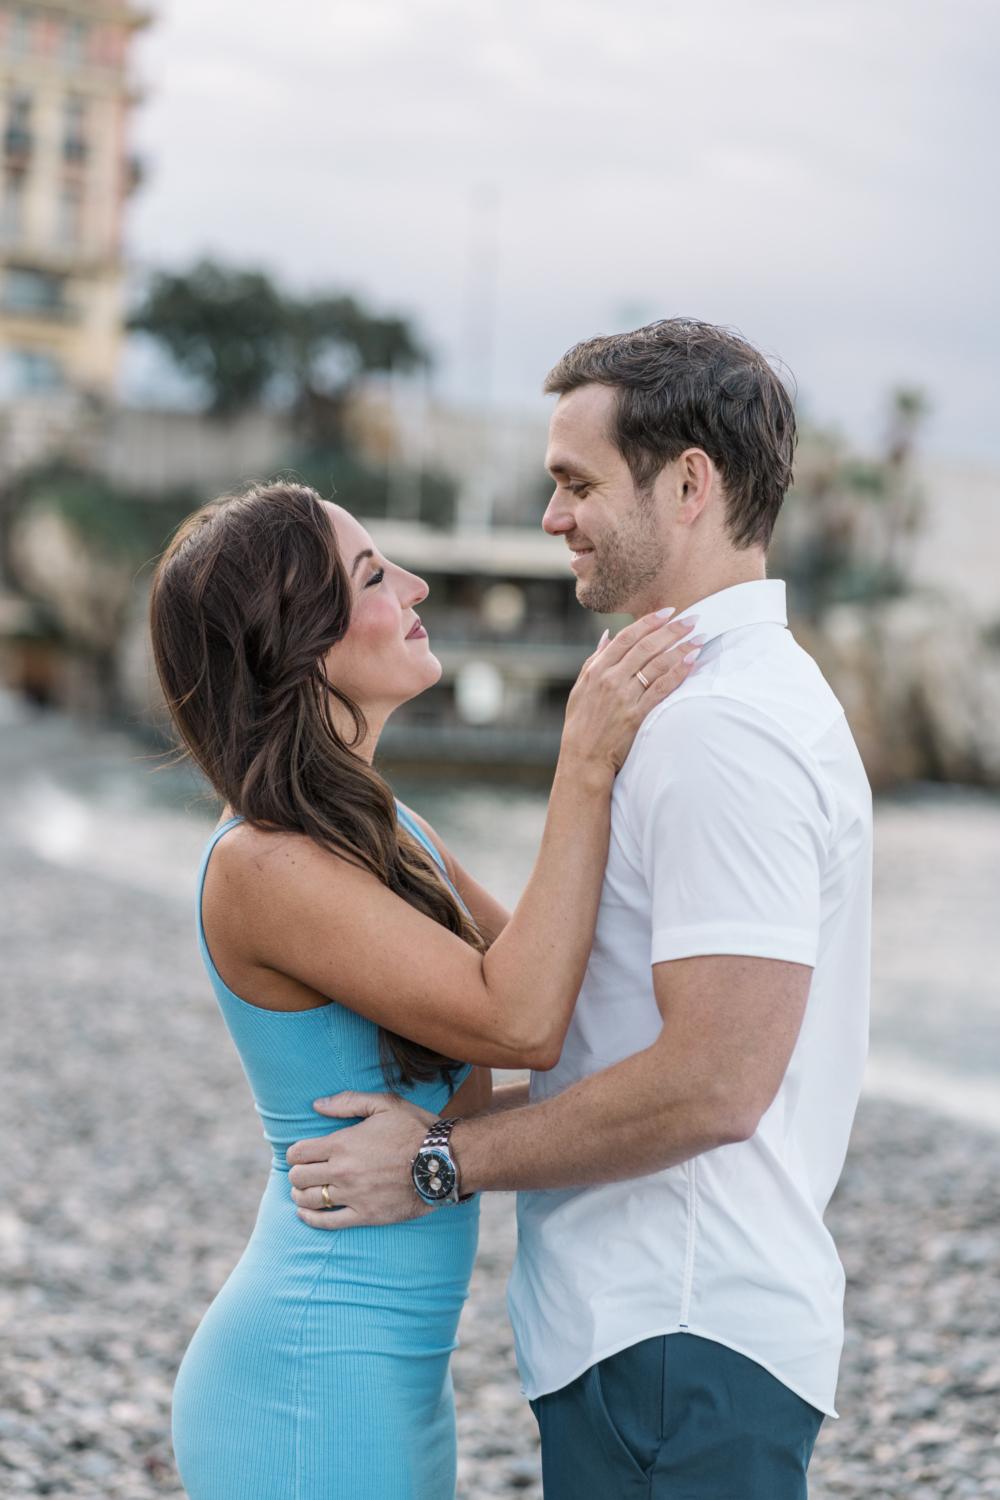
676, 1418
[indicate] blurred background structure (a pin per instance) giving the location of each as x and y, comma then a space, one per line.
345, 243
66, 177
235, 373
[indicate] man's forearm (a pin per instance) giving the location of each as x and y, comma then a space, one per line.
626, 1121
729, 1028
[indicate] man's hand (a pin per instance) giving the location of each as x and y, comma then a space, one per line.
365, 1168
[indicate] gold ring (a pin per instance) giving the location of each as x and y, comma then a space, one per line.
642, 679
325, 1195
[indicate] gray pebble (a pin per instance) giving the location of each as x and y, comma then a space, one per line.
133, 1164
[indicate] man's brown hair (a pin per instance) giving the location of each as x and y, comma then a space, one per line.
680, 383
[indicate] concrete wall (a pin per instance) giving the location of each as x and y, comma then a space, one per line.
155, 451
496, 458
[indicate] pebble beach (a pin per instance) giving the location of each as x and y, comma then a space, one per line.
134, 1163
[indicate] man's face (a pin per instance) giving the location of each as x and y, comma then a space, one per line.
613, 533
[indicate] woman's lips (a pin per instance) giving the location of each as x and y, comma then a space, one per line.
418, 633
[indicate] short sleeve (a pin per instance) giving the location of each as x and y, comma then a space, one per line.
734, 827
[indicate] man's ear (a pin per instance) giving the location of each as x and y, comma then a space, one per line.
696, 475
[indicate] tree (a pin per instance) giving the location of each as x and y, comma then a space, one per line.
243, 338
246, 340
331, 343
848, 525
225, 327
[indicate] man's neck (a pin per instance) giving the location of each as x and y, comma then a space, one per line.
684, 584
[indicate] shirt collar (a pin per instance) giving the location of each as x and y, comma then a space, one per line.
761, 602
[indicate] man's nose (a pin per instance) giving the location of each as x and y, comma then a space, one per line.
558, 518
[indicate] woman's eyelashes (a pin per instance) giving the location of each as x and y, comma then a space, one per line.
375, 578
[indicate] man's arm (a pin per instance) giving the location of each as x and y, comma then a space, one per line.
729, 1028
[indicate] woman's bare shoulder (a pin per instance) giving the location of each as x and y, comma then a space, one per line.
250, 857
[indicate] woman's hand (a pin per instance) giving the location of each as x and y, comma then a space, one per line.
610, 700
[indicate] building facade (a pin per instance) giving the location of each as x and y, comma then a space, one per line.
64, 96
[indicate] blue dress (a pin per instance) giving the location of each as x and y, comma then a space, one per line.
320, 1371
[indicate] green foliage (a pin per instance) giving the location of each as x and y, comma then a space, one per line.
224, 327
125, 528
864, 478
845, 532
909, 407
238, 334
315, 327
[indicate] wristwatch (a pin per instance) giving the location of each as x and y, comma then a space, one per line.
434, 1171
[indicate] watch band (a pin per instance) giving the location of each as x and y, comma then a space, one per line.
437, 1141
439, 1134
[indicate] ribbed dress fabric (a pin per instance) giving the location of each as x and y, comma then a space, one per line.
320, 1371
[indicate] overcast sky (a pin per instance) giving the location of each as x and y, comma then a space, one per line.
820, 174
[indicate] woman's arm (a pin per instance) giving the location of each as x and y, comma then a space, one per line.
290, 926
473, 1096
510, 1096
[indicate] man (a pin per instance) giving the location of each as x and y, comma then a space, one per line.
676, 1298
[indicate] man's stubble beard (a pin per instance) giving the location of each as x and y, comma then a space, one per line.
626, 561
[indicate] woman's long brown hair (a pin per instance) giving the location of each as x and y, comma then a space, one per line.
248, 598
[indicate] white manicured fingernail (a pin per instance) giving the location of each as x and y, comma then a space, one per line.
603, 641
697, 640
664, 614
689, 621
692, 656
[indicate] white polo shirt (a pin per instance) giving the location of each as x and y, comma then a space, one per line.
741, 823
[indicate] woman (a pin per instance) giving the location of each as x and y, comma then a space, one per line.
348, 950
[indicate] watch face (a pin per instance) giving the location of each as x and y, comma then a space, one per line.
433, 1174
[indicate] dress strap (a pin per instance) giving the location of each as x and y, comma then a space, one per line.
206, 856
414, 829
223, 828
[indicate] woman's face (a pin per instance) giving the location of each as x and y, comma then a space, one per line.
384, 659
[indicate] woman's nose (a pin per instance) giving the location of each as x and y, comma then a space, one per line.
416, 591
